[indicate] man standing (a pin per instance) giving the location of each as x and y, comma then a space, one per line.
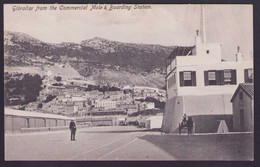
73, 130
190, 126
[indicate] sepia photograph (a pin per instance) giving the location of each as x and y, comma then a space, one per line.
128, 82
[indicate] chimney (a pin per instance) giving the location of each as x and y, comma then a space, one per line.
239, 55
197, 32
197, 38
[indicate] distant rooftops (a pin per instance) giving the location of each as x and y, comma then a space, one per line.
180, 51
248, 88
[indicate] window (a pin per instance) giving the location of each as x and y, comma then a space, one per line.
220, 77
207, 51
188, 78
249, 75
212, 76
227, 76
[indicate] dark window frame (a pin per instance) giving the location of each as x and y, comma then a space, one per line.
192, 82
219, 75
246, 76
212, 82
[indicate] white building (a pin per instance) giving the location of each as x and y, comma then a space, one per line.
142, 89
200, 83
146, 105
106, 104
154, 122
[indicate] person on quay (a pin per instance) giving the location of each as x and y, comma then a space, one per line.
184, 120
72, 130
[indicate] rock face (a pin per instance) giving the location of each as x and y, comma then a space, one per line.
92, 57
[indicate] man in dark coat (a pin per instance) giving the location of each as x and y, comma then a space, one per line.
73, 130
190, 125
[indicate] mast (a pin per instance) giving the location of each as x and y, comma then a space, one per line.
203, 23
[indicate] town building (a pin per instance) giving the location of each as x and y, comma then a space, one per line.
106, 104
200, 84
243, 108
146, 105
154, 122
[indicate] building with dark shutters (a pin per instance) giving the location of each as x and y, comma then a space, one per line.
200, 84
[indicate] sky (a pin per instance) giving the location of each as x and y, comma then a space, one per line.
168, 25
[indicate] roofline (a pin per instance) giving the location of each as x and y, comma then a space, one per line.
234, 95
193, 46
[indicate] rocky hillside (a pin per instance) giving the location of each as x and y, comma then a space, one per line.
90, 57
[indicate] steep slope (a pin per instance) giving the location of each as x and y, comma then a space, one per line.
90, 57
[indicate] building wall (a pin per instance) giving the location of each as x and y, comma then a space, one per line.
15, 123
8, 123
200, 88
205, 105
52, 122
19, 123
173, 114
60, 122
210, 123
171, 84
106, 104
40, 122
247, 105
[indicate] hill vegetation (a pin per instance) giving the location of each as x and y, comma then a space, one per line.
21, 88
96, 58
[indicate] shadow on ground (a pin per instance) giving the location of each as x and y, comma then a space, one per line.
206, 147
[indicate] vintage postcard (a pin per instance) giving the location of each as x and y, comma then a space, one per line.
128, 82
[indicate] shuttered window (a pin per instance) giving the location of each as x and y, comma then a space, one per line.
188, 78
212, 78
249, 75
220, 77
193, 78
233, 77
206, 78
227, 76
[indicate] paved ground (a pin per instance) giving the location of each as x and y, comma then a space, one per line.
126, 143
